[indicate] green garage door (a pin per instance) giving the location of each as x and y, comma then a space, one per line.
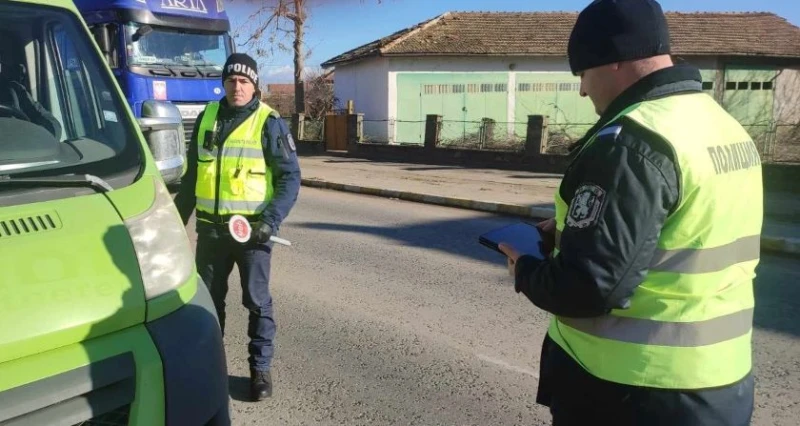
462, 99
557, 96
748, 96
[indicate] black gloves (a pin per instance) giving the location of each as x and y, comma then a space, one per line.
261, 232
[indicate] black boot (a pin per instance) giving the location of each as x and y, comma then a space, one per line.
260, 385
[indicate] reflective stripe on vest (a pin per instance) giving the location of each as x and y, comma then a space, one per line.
245, 179
689, 324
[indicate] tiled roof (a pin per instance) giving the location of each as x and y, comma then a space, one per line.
280, 88
546, 34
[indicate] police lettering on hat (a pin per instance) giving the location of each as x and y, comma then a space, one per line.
243, 69
243, 65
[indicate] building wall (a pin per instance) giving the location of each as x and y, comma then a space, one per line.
787, 99
787, 116
466, 90
708, 71
505, 89
365, 83
395, 94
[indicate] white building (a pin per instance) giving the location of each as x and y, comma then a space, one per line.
505, 66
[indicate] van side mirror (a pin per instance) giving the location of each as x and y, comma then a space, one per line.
162, 127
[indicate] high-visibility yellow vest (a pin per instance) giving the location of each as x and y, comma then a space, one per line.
235, 177
689, 324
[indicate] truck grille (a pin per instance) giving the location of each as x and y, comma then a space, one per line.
188, 128
189, 113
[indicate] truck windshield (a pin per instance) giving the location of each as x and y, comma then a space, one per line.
60, 111
174, 47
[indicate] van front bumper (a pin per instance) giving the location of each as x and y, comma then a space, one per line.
170, 371
189, 341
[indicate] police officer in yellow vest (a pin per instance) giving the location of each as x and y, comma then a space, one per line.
242, 160
656, 236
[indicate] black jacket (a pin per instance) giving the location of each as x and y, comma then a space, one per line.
279, 152
629, 178
608, 241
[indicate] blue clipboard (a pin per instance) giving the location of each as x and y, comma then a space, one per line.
523, 236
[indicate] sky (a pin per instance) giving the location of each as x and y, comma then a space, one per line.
333, 26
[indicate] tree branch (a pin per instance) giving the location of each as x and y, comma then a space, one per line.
278, 12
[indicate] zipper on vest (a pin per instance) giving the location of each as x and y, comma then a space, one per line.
219, 178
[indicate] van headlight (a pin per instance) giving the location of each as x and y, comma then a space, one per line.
162, 247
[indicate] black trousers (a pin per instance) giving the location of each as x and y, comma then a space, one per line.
216, 255
576, 397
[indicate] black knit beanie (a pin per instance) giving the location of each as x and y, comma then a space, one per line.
609, 31
241, 64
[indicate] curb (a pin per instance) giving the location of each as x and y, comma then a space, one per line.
789, 246
464, 203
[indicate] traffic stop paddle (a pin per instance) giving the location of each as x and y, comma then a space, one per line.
241, 231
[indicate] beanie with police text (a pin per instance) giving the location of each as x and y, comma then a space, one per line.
609, 31
243, 65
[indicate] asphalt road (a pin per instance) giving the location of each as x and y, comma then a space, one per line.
389, 312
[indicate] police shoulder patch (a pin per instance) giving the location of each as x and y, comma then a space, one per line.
290, 139
584, 210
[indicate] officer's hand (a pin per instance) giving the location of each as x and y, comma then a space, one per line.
548, 231
512, 255
547, 226
261, 232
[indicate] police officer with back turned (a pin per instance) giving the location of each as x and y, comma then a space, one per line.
656, 240
242, 160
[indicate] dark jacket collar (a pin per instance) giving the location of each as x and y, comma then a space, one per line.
227, 111
670, 81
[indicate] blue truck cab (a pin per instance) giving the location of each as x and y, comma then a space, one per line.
167, 56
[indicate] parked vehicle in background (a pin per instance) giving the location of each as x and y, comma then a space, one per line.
163, 51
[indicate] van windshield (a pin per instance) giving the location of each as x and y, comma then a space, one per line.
60, 112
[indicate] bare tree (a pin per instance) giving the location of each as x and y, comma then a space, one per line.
269, 25
320, 98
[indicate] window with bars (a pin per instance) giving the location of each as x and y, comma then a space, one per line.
744, 85
441, 89
547, 87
